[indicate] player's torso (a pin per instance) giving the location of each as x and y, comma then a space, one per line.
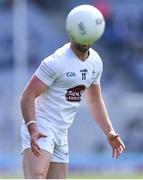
76, 76
77, 73
59, 104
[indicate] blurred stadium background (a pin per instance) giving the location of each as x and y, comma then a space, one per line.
30, 30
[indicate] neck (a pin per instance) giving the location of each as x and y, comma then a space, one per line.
82, 55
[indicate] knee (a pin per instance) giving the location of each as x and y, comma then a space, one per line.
39, 175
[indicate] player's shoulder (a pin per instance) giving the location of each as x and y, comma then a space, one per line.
56, 61
58, 55
96, 59
95, 56
62, 51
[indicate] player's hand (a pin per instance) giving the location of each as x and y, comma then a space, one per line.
33, 142
116, 143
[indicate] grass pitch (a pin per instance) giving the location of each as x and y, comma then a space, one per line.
105, 176
88, 175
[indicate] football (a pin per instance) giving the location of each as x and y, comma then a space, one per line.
85, 24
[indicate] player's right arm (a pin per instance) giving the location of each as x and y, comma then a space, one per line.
33, 89
43, 78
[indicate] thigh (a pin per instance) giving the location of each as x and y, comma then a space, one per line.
35, 167
57, 170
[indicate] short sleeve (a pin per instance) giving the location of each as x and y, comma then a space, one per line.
98, 74
48, 70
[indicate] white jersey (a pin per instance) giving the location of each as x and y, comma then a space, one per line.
66, 77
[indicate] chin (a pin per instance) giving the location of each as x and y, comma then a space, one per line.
83, 48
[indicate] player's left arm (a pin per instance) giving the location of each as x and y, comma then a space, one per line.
100, 114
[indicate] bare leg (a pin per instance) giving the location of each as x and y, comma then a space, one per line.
36, 167
57, 171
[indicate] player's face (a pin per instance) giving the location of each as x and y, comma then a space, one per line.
82, 48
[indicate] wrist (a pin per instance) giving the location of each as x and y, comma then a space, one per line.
112, 131
30, 122
32, 128
112, 134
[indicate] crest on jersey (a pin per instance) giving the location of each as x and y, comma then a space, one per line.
74, 94
94, 73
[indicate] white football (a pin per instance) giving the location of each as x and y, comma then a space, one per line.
85, 24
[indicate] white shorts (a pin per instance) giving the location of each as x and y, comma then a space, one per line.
55, 143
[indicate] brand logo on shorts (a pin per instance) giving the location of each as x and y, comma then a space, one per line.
71, 74
74, 94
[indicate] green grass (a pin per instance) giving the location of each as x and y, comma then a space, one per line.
87, 175
105, 176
